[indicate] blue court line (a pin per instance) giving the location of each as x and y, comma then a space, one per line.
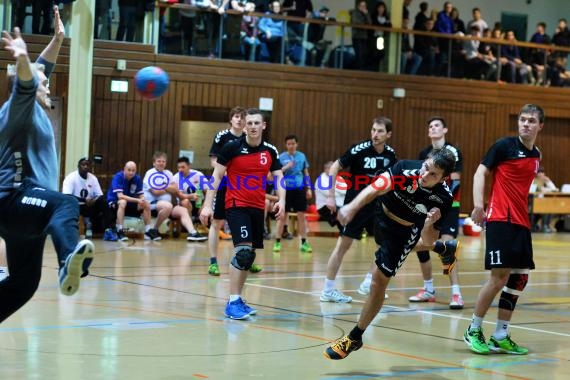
437, 369
92, 325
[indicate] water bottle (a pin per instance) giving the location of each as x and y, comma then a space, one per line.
200, 198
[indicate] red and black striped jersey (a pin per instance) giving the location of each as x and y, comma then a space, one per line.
514, 168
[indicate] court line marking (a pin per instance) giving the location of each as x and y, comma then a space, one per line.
428, 312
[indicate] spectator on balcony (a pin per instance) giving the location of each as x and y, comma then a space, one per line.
319, 48
477, 20
519, 71
410, 61
272, 32
561, 37
537, 57
444, 24
41, 16
421, 16
380, 17
250, 44
477, 67
102, 19
129, 17
187, 26
360, 37
297, 8
428, 48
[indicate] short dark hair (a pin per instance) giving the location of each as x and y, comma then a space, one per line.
443, 159
82, 159
384, 121
476, 10
532, 108
291, 137
184, 159
437, 118
255, 111
542, 23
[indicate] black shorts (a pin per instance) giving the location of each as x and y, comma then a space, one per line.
131, 210
508, 246
364, 219
326, 215
246, 224
296, 200
450, 224
395, 242
220, 204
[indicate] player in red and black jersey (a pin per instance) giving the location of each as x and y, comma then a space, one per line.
513, 163
364, 160
247, 162
234, 132
412, 201
437, 129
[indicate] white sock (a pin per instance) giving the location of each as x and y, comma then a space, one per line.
119, 227
147, 227
3, 273
455, 290
428, 285
329, 285
501, 330
234, 297
476, 322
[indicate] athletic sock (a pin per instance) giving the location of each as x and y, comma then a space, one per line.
329, 285
476, 322
213, 260
428, 285
234, 297
356, 333
455, 290
501, 330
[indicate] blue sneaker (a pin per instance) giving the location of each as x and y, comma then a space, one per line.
236, 310
250, 310
110, 235
76, 266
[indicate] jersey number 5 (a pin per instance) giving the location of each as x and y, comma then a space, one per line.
263, 158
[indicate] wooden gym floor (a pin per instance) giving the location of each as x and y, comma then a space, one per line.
150, 311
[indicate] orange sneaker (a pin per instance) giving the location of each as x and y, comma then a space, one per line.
225, 236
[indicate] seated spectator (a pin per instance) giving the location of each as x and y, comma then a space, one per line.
541, 185
250, 44
272, 32
159, 187
488, 50
410, 61
126, 198
83, 185
427, 47
190, 195
297, 8
517, 70
477, 67
557, 74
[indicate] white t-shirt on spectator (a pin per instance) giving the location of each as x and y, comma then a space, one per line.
157, 181
322, 186
87, 188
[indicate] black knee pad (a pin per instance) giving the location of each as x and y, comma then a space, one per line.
243, 258
423, 256
511, 292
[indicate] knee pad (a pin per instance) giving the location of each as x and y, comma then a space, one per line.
423, 256
515, 285
243, 258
